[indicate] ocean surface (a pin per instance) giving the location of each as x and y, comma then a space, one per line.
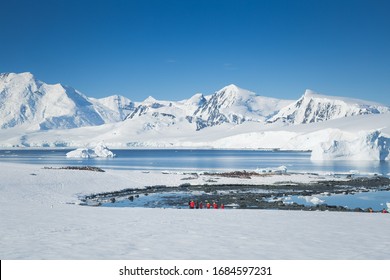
203, 160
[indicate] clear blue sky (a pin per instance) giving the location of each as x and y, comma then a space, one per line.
173, 49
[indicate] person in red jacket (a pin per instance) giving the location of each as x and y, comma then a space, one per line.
215, 205
384, 211
222, 206
201, 205
208, 205
192, 204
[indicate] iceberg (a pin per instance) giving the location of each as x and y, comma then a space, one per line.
81, 153
100, 150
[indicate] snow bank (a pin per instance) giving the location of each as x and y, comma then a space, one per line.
100, 150
366, 145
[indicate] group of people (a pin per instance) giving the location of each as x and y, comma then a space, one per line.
384, 210
199, 205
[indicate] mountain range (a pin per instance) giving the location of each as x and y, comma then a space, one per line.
35, 105
36, 114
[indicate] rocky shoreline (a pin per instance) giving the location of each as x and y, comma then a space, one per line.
242, 196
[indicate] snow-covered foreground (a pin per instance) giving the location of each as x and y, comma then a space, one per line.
37, 222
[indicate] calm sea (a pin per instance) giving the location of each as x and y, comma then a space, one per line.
203, 160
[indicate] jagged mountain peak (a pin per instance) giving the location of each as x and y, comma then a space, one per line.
197, 99
150, 99
11, 75
15, 80
309, 93
233, 91
230, 88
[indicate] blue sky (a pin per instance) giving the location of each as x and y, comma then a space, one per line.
174, 49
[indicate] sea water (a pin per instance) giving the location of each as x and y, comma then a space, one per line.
201, 160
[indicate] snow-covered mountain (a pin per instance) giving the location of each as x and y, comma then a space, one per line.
228, 105
234, 105
26, 101
313, 107
152, 114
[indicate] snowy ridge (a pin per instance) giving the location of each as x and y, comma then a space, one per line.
313, 107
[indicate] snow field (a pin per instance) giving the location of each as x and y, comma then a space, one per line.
38, 223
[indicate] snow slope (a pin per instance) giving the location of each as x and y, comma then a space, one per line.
38, 223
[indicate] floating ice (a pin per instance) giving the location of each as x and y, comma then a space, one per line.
100, 150
313, 199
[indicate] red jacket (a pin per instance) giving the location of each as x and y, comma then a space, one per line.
192, 205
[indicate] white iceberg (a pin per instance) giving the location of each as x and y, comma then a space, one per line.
81, 153
100, 150
314, 200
